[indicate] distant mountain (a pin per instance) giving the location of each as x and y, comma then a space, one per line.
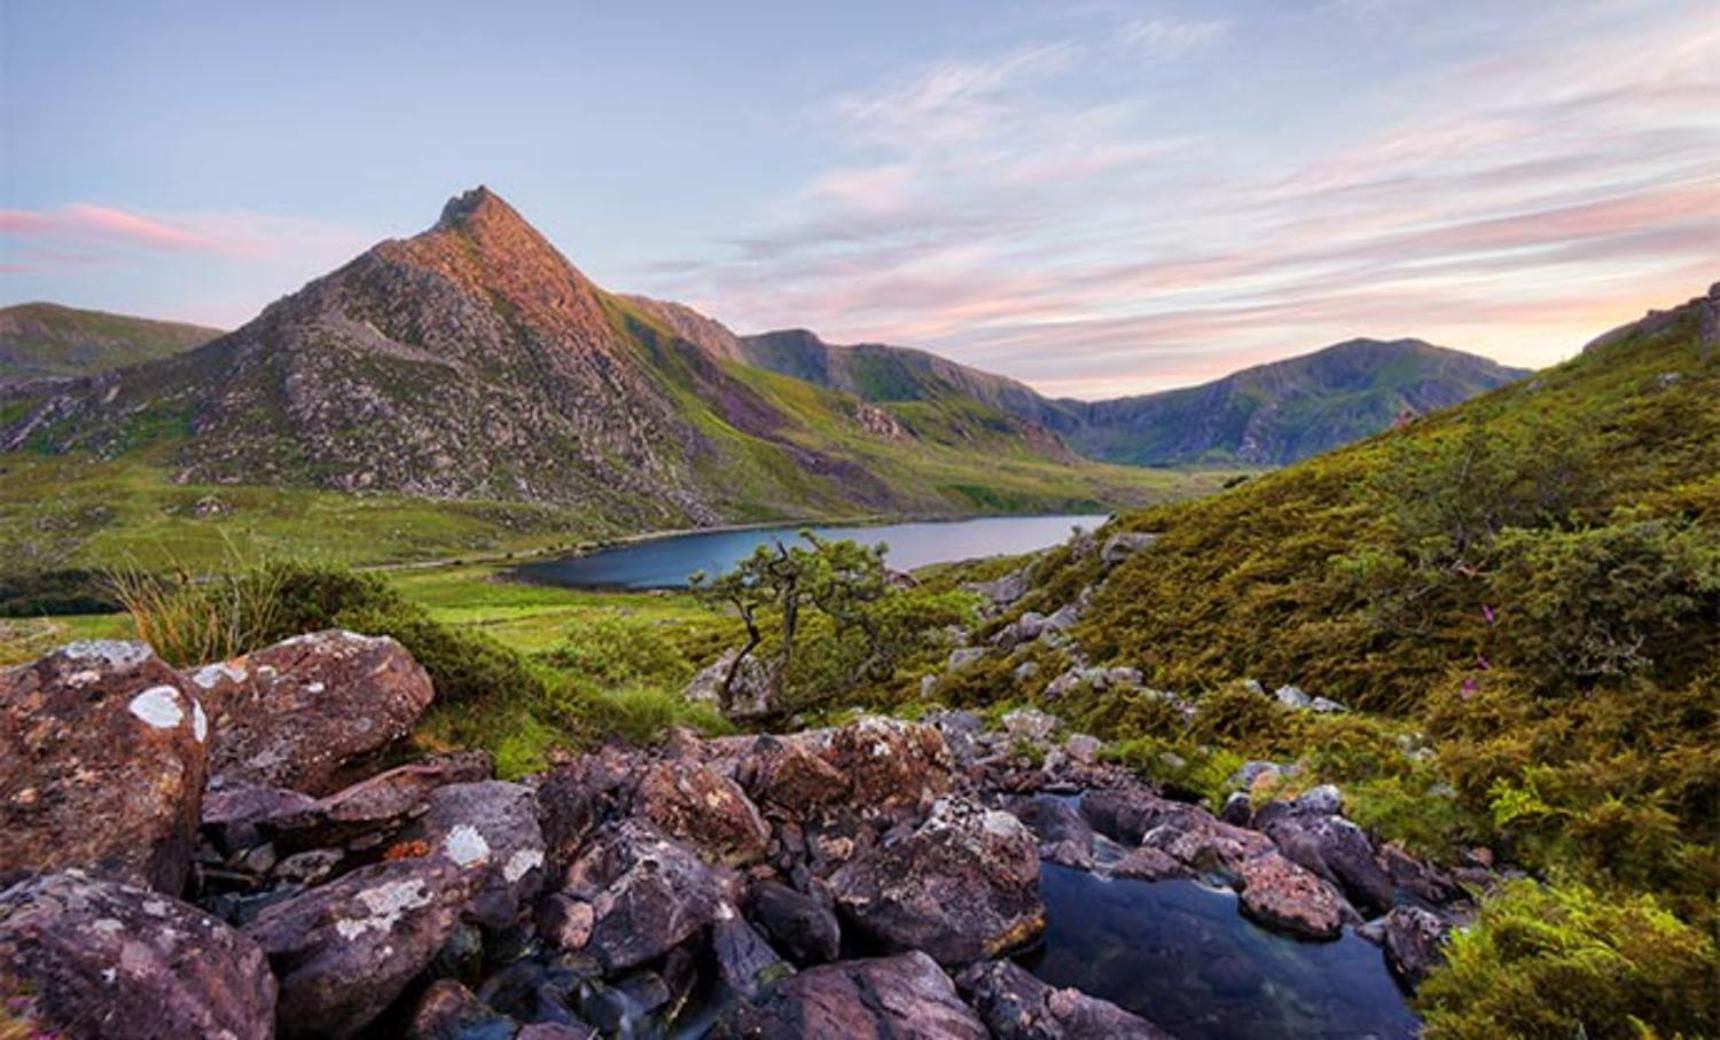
1267, 415
473, 361
48, 341
1284, 411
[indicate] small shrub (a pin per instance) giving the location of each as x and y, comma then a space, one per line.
1566, 960
192, 621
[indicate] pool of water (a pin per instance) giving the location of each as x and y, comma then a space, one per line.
664, 563
1179, 954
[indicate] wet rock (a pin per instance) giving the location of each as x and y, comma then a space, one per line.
752, 693
1414, 942
907, 997
804, 929
1122, 545
745, 960
491, 828
1145, 863
345, 951
1017, 1006
962, 886
1419, 879
86, 958
450, 1011
309, 713
706, 810
647, 894
1125, 814
1279, 894
102, 756
1332, 847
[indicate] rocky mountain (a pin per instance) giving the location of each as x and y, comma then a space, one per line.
1267, 415
473, 361
48, 341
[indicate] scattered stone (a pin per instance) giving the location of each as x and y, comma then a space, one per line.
1325, 800
1002, 592
1238, 809
1146, 863
1017, 1006
745, 961
1414, 942
86, 958
907, 997
962, 886
1292, 697
102, 755
1029, 724
309, 713
1122, 545
491, 829
709, 811
450, 1011
1082, 748
345, 951
961, 657
647, 894
803, 928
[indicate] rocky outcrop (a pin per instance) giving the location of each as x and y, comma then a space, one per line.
1017, 1006
102, 754
310, 713
802, 927
99, 960
1311, 834
962, 886
489, 828
907, 997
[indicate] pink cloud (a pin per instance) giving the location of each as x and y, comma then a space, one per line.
85, 221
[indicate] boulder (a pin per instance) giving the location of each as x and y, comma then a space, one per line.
1281, 895
99, 960
1145, 863
450, 1011
1017, 1006
491, 828
309, 713
962, 886
745, 961
803, 928
890, 763
752, 694
963, 656
1414, 941
1122, 545
102, 755
790, 775
709, 811
1332, 847
907, 997
1293, 697
1030, 725
1002, 592
345, 951
647, 895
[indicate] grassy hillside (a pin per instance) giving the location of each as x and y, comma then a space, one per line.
46, 340
1521, 595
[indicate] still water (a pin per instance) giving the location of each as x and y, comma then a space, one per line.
1178, 954
666, 562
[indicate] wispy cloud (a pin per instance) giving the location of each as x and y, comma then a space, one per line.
84, 232
1046, 211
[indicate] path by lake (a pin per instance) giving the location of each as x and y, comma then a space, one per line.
663, 563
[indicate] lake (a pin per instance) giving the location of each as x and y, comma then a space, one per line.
664, 563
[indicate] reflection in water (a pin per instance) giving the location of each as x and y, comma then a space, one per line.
666, 562
1178, 954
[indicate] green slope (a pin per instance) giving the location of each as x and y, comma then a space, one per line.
46, 340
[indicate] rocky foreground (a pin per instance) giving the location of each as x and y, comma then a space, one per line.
231, 851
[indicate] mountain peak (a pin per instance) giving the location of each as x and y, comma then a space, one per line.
478, 206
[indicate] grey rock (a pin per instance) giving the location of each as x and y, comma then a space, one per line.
906, 997
1017, 1006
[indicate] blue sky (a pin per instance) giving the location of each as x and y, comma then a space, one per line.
1096, 197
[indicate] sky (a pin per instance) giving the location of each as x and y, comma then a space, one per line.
1098, 198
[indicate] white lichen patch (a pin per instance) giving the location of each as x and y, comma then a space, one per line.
522, 863
315, 687
465, 846
199, 722
119, 653
84, 678
159, 707
385, 903
207, 676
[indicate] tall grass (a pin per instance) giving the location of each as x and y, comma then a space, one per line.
192, 619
